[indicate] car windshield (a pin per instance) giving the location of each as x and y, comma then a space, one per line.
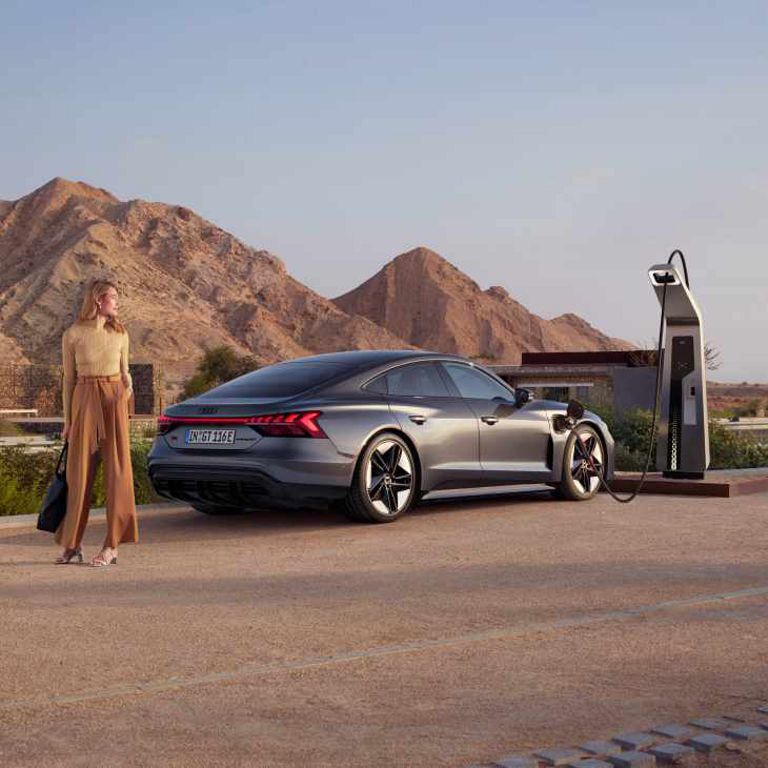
281, 380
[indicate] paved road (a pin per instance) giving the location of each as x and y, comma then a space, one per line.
464, 632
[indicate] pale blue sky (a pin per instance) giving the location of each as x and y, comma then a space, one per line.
555, 148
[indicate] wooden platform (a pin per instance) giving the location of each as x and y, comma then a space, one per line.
722, 483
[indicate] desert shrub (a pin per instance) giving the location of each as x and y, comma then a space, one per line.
217, 366
25, 476
9, 428
16, 499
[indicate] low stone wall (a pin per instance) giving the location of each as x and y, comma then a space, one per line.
39, 386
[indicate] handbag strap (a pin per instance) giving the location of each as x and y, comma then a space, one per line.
61, 456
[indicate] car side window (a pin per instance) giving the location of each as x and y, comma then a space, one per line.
473, 383
378, 385
417, 380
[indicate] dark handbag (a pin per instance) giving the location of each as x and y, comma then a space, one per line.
55, 502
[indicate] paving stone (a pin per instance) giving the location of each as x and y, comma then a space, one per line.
632, 760
590, 762
764, 710
711, 723
707, 742
516, 762
601, 748
672, 753
746, 733
558, 756
763, 724
672, 731
636, 741
733, 719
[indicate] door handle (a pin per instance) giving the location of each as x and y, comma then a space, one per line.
418, 419
489, 419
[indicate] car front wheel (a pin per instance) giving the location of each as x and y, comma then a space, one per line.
583, 455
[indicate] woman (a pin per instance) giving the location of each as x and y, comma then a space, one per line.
96, 390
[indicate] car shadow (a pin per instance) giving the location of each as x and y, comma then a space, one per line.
190, 524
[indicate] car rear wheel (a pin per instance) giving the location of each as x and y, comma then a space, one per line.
385, 482
582, 456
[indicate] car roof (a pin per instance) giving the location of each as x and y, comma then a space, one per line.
362, 357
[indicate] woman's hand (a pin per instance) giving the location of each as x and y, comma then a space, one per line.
128, 388
65, 433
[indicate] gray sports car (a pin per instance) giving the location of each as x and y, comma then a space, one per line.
373, 431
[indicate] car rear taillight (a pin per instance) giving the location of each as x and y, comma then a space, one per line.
164, 423
298, 424
295, 424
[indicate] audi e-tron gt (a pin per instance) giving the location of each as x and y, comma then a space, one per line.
372, 431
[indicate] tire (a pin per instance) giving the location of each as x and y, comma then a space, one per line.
385, 485
218, 510
579, 481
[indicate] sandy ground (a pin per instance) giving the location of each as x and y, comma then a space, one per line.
465, 632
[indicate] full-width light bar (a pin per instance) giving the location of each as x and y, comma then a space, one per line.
293, 424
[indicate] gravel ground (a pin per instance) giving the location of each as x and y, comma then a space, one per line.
465, 632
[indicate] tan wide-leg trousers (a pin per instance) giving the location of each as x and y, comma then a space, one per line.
99, 420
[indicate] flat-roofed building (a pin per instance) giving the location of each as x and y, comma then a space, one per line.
622, 380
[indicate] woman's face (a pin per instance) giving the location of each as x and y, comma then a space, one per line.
109, 303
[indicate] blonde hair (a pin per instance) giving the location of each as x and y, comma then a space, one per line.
94, 292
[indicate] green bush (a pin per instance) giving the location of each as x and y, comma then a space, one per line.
631, 430
730, 450
25, 477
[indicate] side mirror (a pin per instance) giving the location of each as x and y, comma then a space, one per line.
522, 396
575, 410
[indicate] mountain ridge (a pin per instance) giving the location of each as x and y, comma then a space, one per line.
187, 284
423, 298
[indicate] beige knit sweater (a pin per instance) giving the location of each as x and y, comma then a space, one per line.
90, 349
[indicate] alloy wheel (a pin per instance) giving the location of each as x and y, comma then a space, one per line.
389, 477
586, 462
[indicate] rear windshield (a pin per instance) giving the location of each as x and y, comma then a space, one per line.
281, 380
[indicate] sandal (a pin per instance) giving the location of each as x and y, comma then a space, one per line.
69, 555
105, 557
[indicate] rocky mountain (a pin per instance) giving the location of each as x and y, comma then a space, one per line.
426, 300
184, 283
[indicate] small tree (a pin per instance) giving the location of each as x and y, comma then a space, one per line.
648, 356
217, 366
711, 356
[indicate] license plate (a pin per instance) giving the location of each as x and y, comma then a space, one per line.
210, 436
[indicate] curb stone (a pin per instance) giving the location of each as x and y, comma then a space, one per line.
636, 740
96, 513
560, 756
632, 760
672, 753
747, 733
708, 742
600, 748
672, 731
595, 753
